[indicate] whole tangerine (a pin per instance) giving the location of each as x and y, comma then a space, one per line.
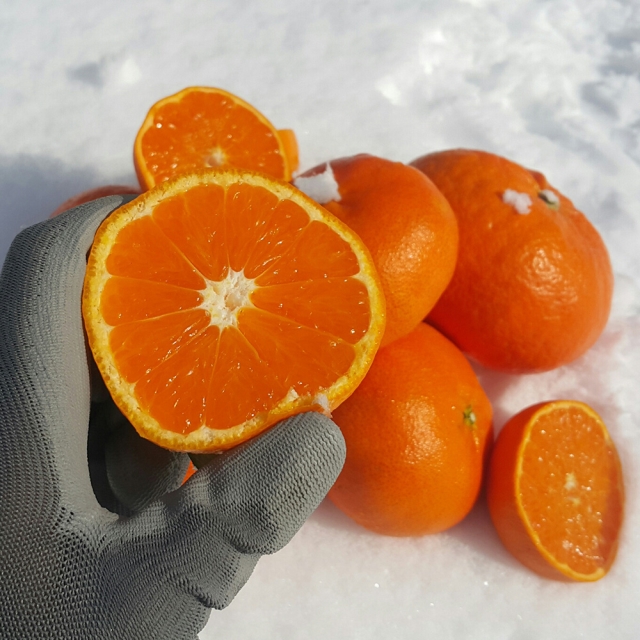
416, 430
533, 283
404, 221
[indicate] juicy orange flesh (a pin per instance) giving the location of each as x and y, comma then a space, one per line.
207, 129
572, 497
305, 313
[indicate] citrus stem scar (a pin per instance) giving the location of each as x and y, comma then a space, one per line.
550, 198
469, 417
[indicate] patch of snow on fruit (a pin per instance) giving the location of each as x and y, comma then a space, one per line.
323, 402
322, 187
521, 202
292, 394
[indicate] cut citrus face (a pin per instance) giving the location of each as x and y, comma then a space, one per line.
221, 302
555, 491
204, 127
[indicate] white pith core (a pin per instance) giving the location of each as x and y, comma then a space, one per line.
217, 158
223, 299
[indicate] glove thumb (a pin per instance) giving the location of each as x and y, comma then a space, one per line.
246, 502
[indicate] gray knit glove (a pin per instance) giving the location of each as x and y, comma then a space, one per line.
96, 539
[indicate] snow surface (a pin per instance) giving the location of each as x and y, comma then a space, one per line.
553, 85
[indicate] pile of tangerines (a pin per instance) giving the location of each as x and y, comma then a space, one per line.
230, 294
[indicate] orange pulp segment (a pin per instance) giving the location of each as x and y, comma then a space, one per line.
205, 127
191, 469
221, 302
556, 491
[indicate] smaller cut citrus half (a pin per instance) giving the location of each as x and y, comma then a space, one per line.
206, 127
555, 491
221, 302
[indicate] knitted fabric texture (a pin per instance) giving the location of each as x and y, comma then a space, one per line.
96, 540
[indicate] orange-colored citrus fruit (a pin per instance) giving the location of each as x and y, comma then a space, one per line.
555, 491
94, 194
191, 469
407, 225
221, 302
204, 127
290, 148
533, 282
416, 431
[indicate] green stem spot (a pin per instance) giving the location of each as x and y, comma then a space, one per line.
550, 198
469, 417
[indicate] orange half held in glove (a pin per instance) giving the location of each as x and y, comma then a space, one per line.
221, 302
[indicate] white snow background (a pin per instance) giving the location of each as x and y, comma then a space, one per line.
553, 85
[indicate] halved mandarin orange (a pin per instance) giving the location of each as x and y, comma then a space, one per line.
205, 127
221, 302
555, 491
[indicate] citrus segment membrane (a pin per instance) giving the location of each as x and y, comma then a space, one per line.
222, 302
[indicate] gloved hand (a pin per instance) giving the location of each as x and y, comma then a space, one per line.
96, 539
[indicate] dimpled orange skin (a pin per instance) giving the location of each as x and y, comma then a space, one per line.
530, 292
408, 227
417, 430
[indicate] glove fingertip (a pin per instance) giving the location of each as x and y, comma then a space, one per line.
261, 492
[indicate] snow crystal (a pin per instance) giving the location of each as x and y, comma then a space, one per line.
292, 394
322, 187
521, 202
323, 402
